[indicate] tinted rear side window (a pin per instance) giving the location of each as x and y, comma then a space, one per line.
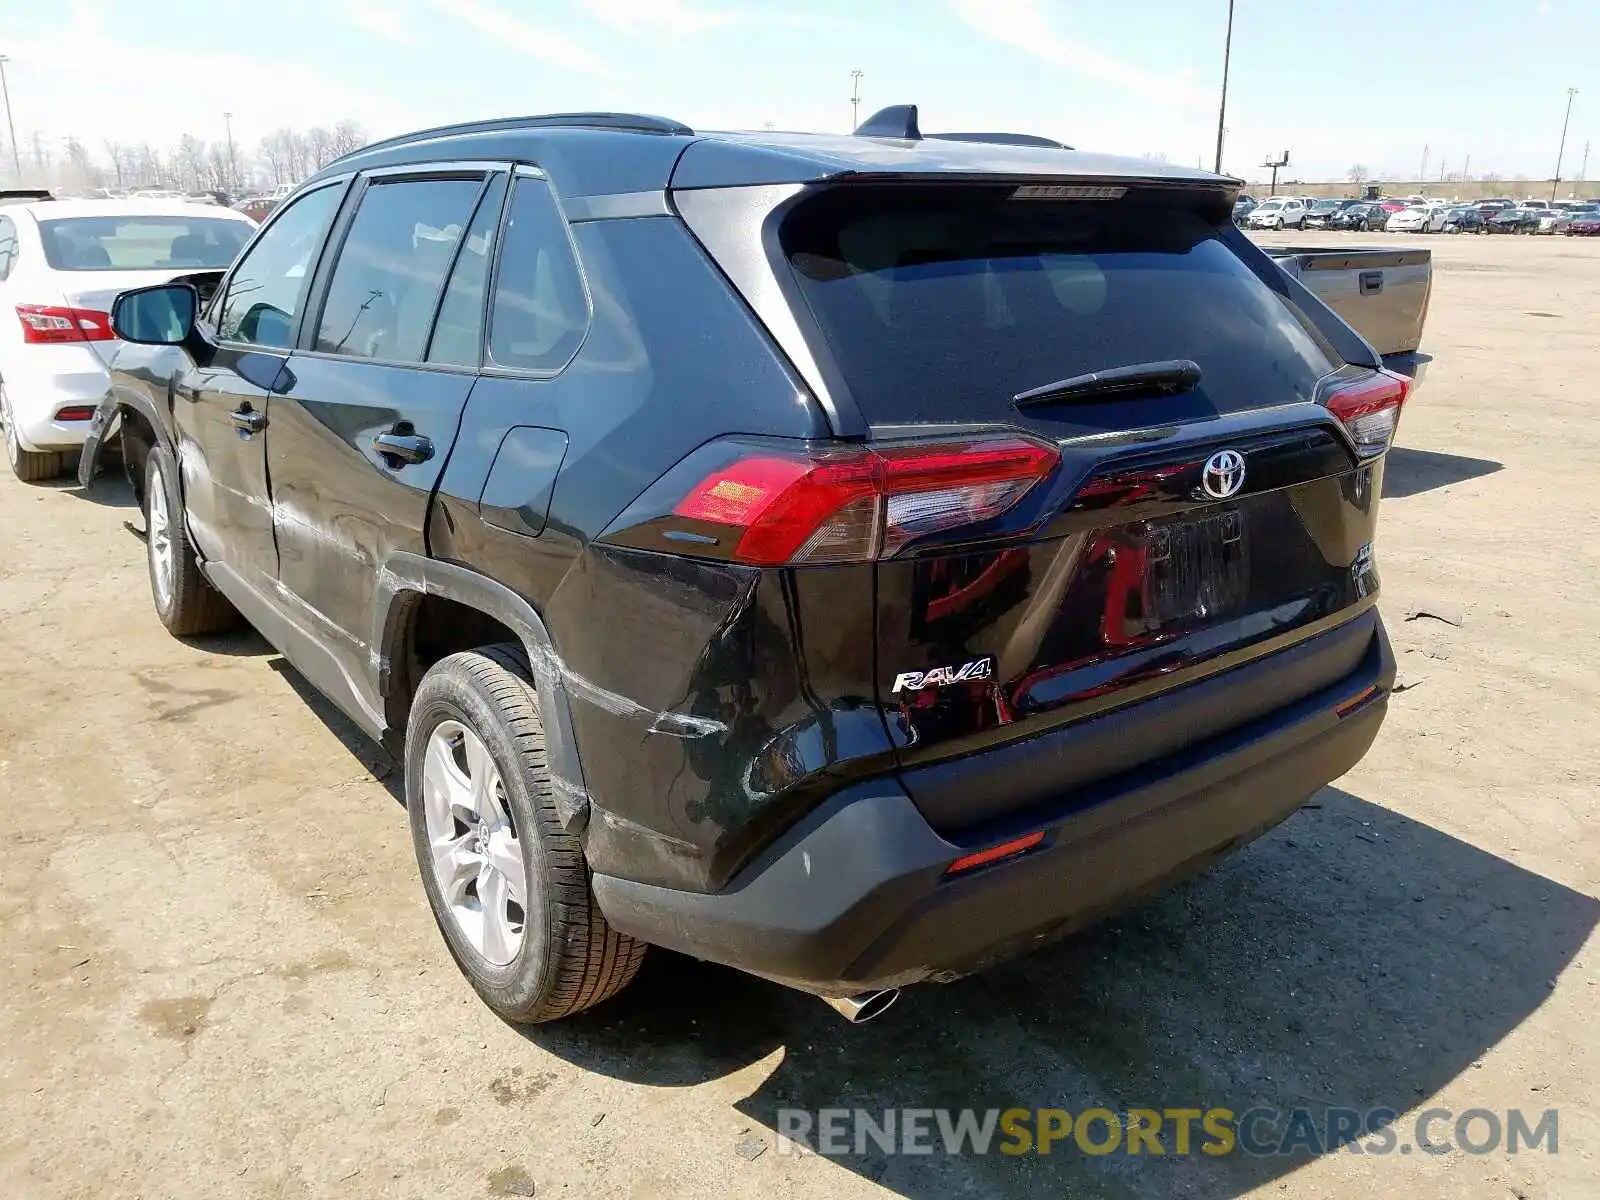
391, 268
941, 304
541, 311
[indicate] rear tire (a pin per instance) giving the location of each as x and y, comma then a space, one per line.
1278, 223
30, 466
481, 803
187, 605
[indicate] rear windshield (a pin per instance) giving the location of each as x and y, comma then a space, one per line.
142, 243
940, 304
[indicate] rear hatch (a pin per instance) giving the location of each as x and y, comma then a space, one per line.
1202, 513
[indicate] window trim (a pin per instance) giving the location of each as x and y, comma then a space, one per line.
493, 251
490, 367
305, 345
211, 319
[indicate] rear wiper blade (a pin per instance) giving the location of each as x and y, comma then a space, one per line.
1146, 379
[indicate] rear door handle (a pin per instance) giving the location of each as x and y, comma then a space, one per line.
1371, 282
247, 421
403, 449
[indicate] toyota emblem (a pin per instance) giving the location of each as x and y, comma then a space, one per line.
1223, 475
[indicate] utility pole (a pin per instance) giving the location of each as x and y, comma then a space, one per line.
1466, 170
1583, 171
11, 128
855, 99
1281, 161
1422, 174
1556, 182
1222, 108
233, 164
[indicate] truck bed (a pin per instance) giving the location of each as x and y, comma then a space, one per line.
1382, 293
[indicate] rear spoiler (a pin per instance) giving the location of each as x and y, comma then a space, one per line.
24, 195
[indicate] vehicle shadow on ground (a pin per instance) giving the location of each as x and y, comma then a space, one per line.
1352, 958
1408, 472
361, 747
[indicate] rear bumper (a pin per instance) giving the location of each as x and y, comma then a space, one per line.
856, 897
41, 380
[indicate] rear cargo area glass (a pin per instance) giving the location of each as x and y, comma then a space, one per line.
942, 303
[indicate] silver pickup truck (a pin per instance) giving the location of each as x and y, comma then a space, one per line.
1383, 294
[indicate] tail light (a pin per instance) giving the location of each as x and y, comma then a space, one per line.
1369, 409
45, 323
842, 504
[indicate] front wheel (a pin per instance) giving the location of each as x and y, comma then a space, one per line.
1277, 223
508, 885
186, 603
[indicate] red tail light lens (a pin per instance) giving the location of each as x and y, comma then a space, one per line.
45, 323
1370, 409
857, 504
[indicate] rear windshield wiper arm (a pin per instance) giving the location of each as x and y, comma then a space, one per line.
1145, 379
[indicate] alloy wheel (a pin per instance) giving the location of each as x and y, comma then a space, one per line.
476, 852
158, 539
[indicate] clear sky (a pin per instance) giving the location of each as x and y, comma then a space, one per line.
1335, 83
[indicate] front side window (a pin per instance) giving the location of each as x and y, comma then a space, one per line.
541, 310
386, 282
137, 242
266, 289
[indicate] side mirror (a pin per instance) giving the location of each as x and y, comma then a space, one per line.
162, 315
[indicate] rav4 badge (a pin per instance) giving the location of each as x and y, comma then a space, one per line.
915, 681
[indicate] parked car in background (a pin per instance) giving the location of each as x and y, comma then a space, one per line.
1419, 218
850, 676
1464, 218
1278, 212
1584, 224
62, 263
1513, 220
1242, 208
1323, 211
1360, 216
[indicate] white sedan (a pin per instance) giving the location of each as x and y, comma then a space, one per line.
62, 263
1419, 218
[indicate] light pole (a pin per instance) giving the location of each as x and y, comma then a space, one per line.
1222, 108
5, 93
1275, 163
855, 100
1556, 182
233, 166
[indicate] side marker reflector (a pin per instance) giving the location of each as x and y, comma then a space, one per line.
982, 858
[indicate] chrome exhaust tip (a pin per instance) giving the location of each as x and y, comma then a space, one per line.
863, 1006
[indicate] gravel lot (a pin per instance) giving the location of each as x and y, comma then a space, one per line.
221, 978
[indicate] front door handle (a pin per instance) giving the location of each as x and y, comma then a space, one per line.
247, 421
403, 449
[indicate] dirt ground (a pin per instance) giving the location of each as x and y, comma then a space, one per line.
220, 977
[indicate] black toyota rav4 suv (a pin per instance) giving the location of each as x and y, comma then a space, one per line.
853, 559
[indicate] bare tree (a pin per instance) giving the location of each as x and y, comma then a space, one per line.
119, 156
1358, 174
348, 136
190, 157
319, 144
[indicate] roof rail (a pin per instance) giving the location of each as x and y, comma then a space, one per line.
625, 122
1002, 139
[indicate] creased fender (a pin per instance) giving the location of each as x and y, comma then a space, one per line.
105, 417
403, 573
